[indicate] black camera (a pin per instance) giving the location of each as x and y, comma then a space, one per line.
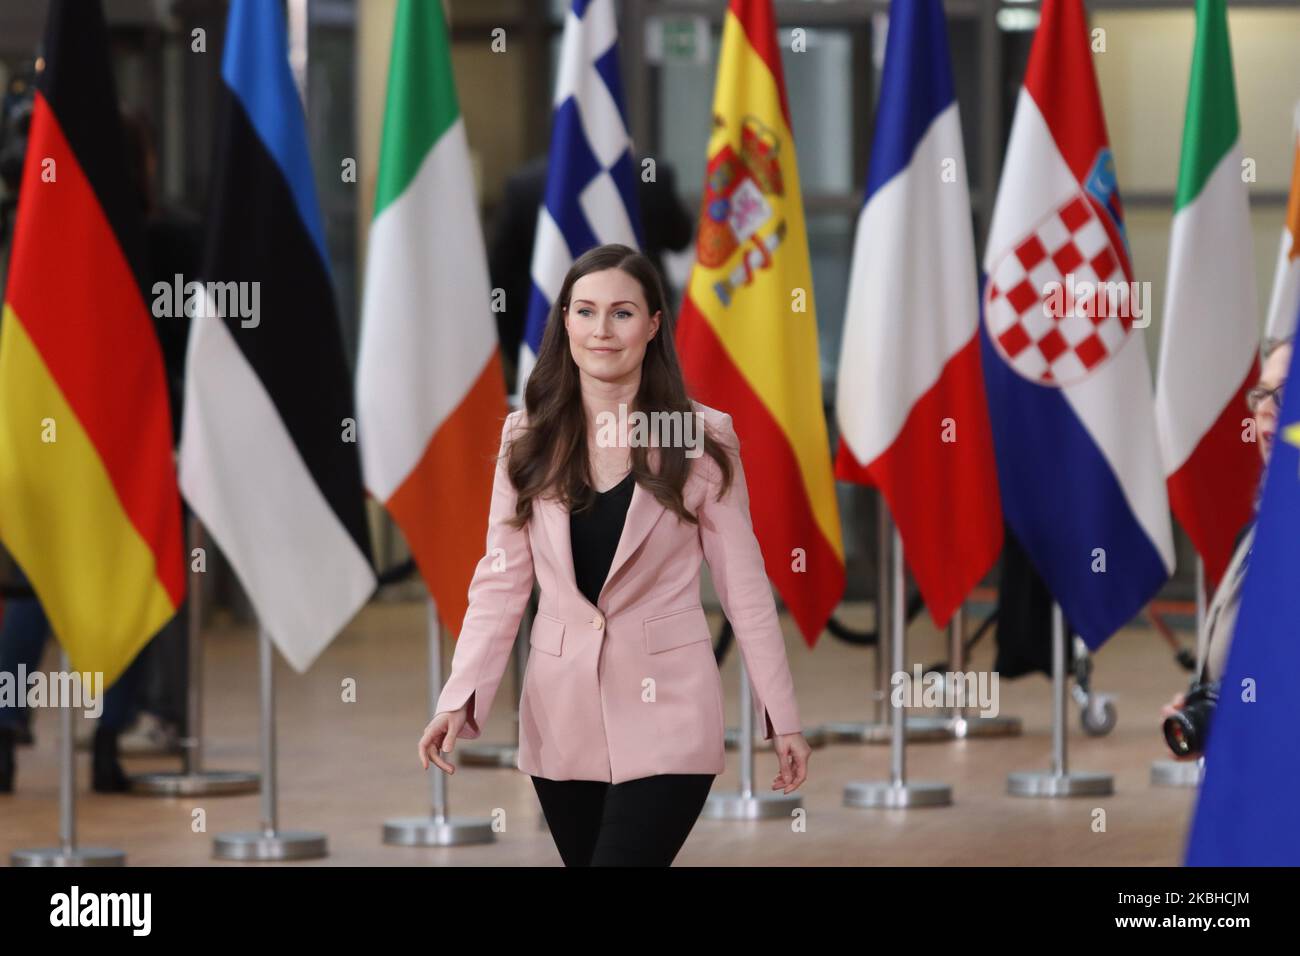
1187, 731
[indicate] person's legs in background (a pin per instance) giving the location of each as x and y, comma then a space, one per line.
573, 811
166, 682
121, 705
646, 821
23, 633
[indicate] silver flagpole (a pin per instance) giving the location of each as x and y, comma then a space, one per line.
193, 780
878, 726
67, 853
745, 804
437, 829
270, 843
1186, 773
897, 793
922, 727
1060, 781
963, 724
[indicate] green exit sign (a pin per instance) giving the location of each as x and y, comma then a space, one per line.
678, 39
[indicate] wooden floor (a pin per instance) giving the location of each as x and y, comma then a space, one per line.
346, 767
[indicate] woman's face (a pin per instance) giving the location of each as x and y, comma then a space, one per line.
609, 325
1271, 375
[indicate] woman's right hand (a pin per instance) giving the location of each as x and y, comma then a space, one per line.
440, 735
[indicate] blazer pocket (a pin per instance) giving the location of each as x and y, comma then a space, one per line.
547, 634
663, 632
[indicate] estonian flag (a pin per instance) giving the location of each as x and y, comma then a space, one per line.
268, 445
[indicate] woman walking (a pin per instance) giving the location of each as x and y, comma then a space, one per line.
621, 714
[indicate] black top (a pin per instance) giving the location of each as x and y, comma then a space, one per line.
594, 533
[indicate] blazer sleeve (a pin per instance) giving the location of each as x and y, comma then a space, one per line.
498, 594
740, 578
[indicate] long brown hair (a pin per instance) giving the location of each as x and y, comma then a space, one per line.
550, 455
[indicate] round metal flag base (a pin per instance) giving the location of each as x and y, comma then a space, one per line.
77, 856
204, 783
260, 845
737, 806
967, 727
430, 831
1075, 783
1176, 773
489, 755
897, 796
816, 737
918, 730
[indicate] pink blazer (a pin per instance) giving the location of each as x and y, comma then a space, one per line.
628, 688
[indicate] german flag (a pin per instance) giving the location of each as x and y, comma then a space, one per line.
747, 335
89, 505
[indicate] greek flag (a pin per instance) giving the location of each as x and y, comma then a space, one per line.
590, 196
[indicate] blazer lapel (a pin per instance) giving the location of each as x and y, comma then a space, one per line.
643, 512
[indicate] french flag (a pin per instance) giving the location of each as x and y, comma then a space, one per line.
1068, 382
910, 402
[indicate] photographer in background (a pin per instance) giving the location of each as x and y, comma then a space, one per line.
1188, 716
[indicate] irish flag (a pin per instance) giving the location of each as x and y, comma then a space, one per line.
430, 387
747, 334
1210, 342
88, 500
1285, 300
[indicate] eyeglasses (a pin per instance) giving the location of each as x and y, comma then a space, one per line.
1255, 396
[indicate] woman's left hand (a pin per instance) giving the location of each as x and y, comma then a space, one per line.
792, 755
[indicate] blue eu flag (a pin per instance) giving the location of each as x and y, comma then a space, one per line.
1248, 812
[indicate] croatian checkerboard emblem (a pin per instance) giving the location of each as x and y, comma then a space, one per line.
1057, 304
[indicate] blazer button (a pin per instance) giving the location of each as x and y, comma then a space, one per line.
597, 622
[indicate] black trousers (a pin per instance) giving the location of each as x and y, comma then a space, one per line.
641, 822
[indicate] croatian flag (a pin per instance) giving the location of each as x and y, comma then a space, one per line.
590, 196
910, 401
1065, 362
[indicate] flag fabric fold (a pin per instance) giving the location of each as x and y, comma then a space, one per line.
430, 386
268, 456
747, 333
1210, 340
912, 411
1065, 366
88, 499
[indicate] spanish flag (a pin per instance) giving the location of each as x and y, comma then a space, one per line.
88, 500
748, 329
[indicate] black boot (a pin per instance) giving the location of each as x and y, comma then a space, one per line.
6, 759
106, 772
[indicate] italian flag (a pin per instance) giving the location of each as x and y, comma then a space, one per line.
430, 387
1208, 354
